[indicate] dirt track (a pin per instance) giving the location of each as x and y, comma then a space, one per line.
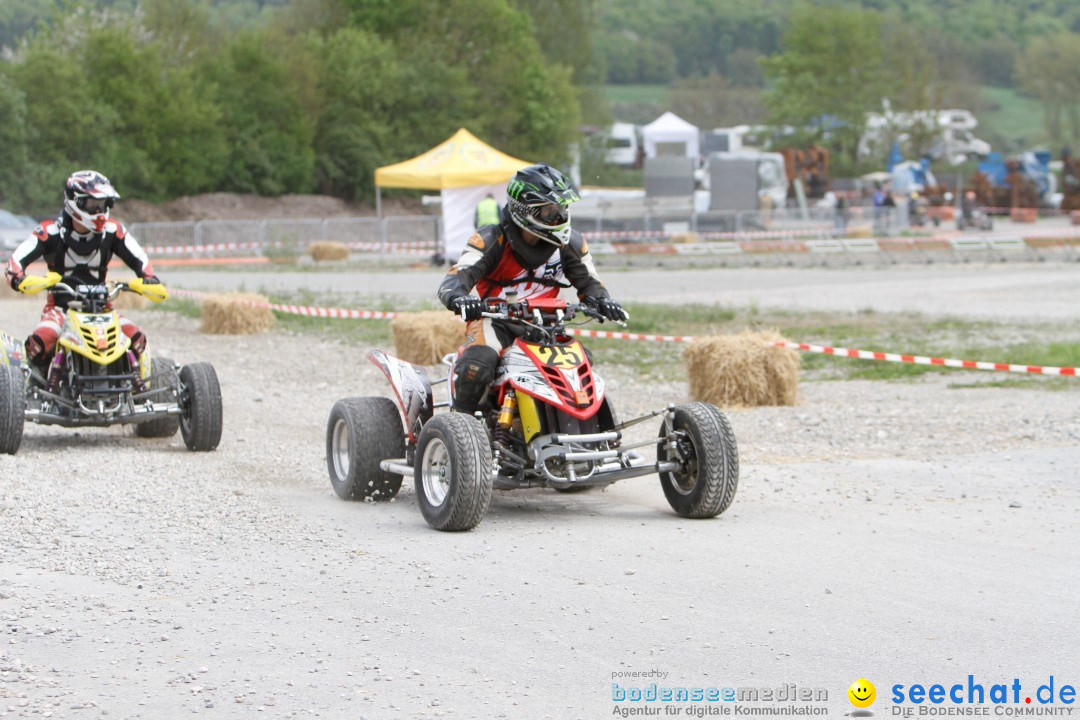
1014, 291
902, 532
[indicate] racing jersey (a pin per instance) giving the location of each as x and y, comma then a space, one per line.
491, 267
87, 268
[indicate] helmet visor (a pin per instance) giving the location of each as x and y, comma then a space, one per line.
93, 205
553, 215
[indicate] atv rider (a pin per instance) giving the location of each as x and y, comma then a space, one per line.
78, 245
532, 251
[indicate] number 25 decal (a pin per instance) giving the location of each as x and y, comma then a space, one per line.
560, 357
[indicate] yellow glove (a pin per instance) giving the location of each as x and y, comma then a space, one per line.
33, 284
155, 291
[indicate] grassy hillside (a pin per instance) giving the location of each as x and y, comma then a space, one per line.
1011, 122
645, 94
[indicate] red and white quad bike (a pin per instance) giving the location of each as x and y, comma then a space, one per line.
544, 422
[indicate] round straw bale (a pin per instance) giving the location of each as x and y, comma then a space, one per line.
424, 338
236, 314
743, 370
321, 251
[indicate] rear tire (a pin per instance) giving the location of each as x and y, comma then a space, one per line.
12, 407
201, 422
705, 484
360, 434
162, 373
453, 472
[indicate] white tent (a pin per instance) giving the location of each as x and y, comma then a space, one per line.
665, 135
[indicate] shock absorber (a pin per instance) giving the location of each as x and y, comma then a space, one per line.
137, 383
506, 419
56, 369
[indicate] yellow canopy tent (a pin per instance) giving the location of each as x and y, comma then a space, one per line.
465, 170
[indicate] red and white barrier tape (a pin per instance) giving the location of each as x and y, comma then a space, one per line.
921, 360
607, 334
213, 247
394, 248
342, 313
303, 310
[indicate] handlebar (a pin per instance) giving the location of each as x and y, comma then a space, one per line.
542, 319
114, 289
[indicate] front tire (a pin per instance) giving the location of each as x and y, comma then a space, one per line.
12, 407
453, 472
360, 434
162, 370
705, 483
201, 422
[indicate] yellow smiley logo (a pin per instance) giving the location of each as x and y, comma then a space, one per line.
862, 693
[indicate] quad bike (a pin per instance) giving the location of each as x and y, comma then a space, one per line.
977, 218
94, 378
544, 422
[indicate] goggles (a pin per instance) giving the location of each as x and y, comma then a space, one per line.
93, 205
552, 214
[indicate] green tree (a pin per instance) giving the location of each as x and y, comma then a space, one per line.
523, 105
1048, 71
710, 101
14, 136
357, 82
829, 75
912, 78
266, 131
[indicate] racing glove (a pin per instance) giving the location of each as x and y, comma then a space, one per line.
150, 280
609, 309
468, 307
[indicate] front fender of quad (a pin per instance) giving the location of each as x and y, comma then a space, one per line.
412, 390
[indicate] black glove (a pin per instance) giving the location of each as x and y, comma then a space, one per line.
468, 307
150, 280
609, 308
16, 280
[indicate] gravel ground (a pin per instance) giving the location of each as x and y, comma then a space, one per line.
885, 530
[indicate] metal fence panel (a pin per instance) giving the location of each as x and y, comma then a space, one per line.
288, 232
164, 234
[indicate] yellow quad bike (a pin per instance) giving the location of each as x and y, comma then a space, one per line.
95, 380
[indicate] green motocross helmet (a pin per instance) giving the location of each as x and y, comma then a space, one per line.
538, 200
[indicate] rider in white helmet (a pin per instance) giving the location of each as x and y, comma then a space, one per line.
79, 245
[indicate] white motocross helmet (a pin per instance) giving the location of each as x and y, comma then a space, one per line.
88, 197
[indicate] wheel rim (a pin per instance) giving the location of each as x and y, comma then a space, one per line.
339, 450
435, 472
684, 480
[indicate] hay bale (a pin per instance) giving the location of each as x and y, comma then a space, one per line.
321, 251
424, 338
743, 370
686, 238
860, 232
236, 314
